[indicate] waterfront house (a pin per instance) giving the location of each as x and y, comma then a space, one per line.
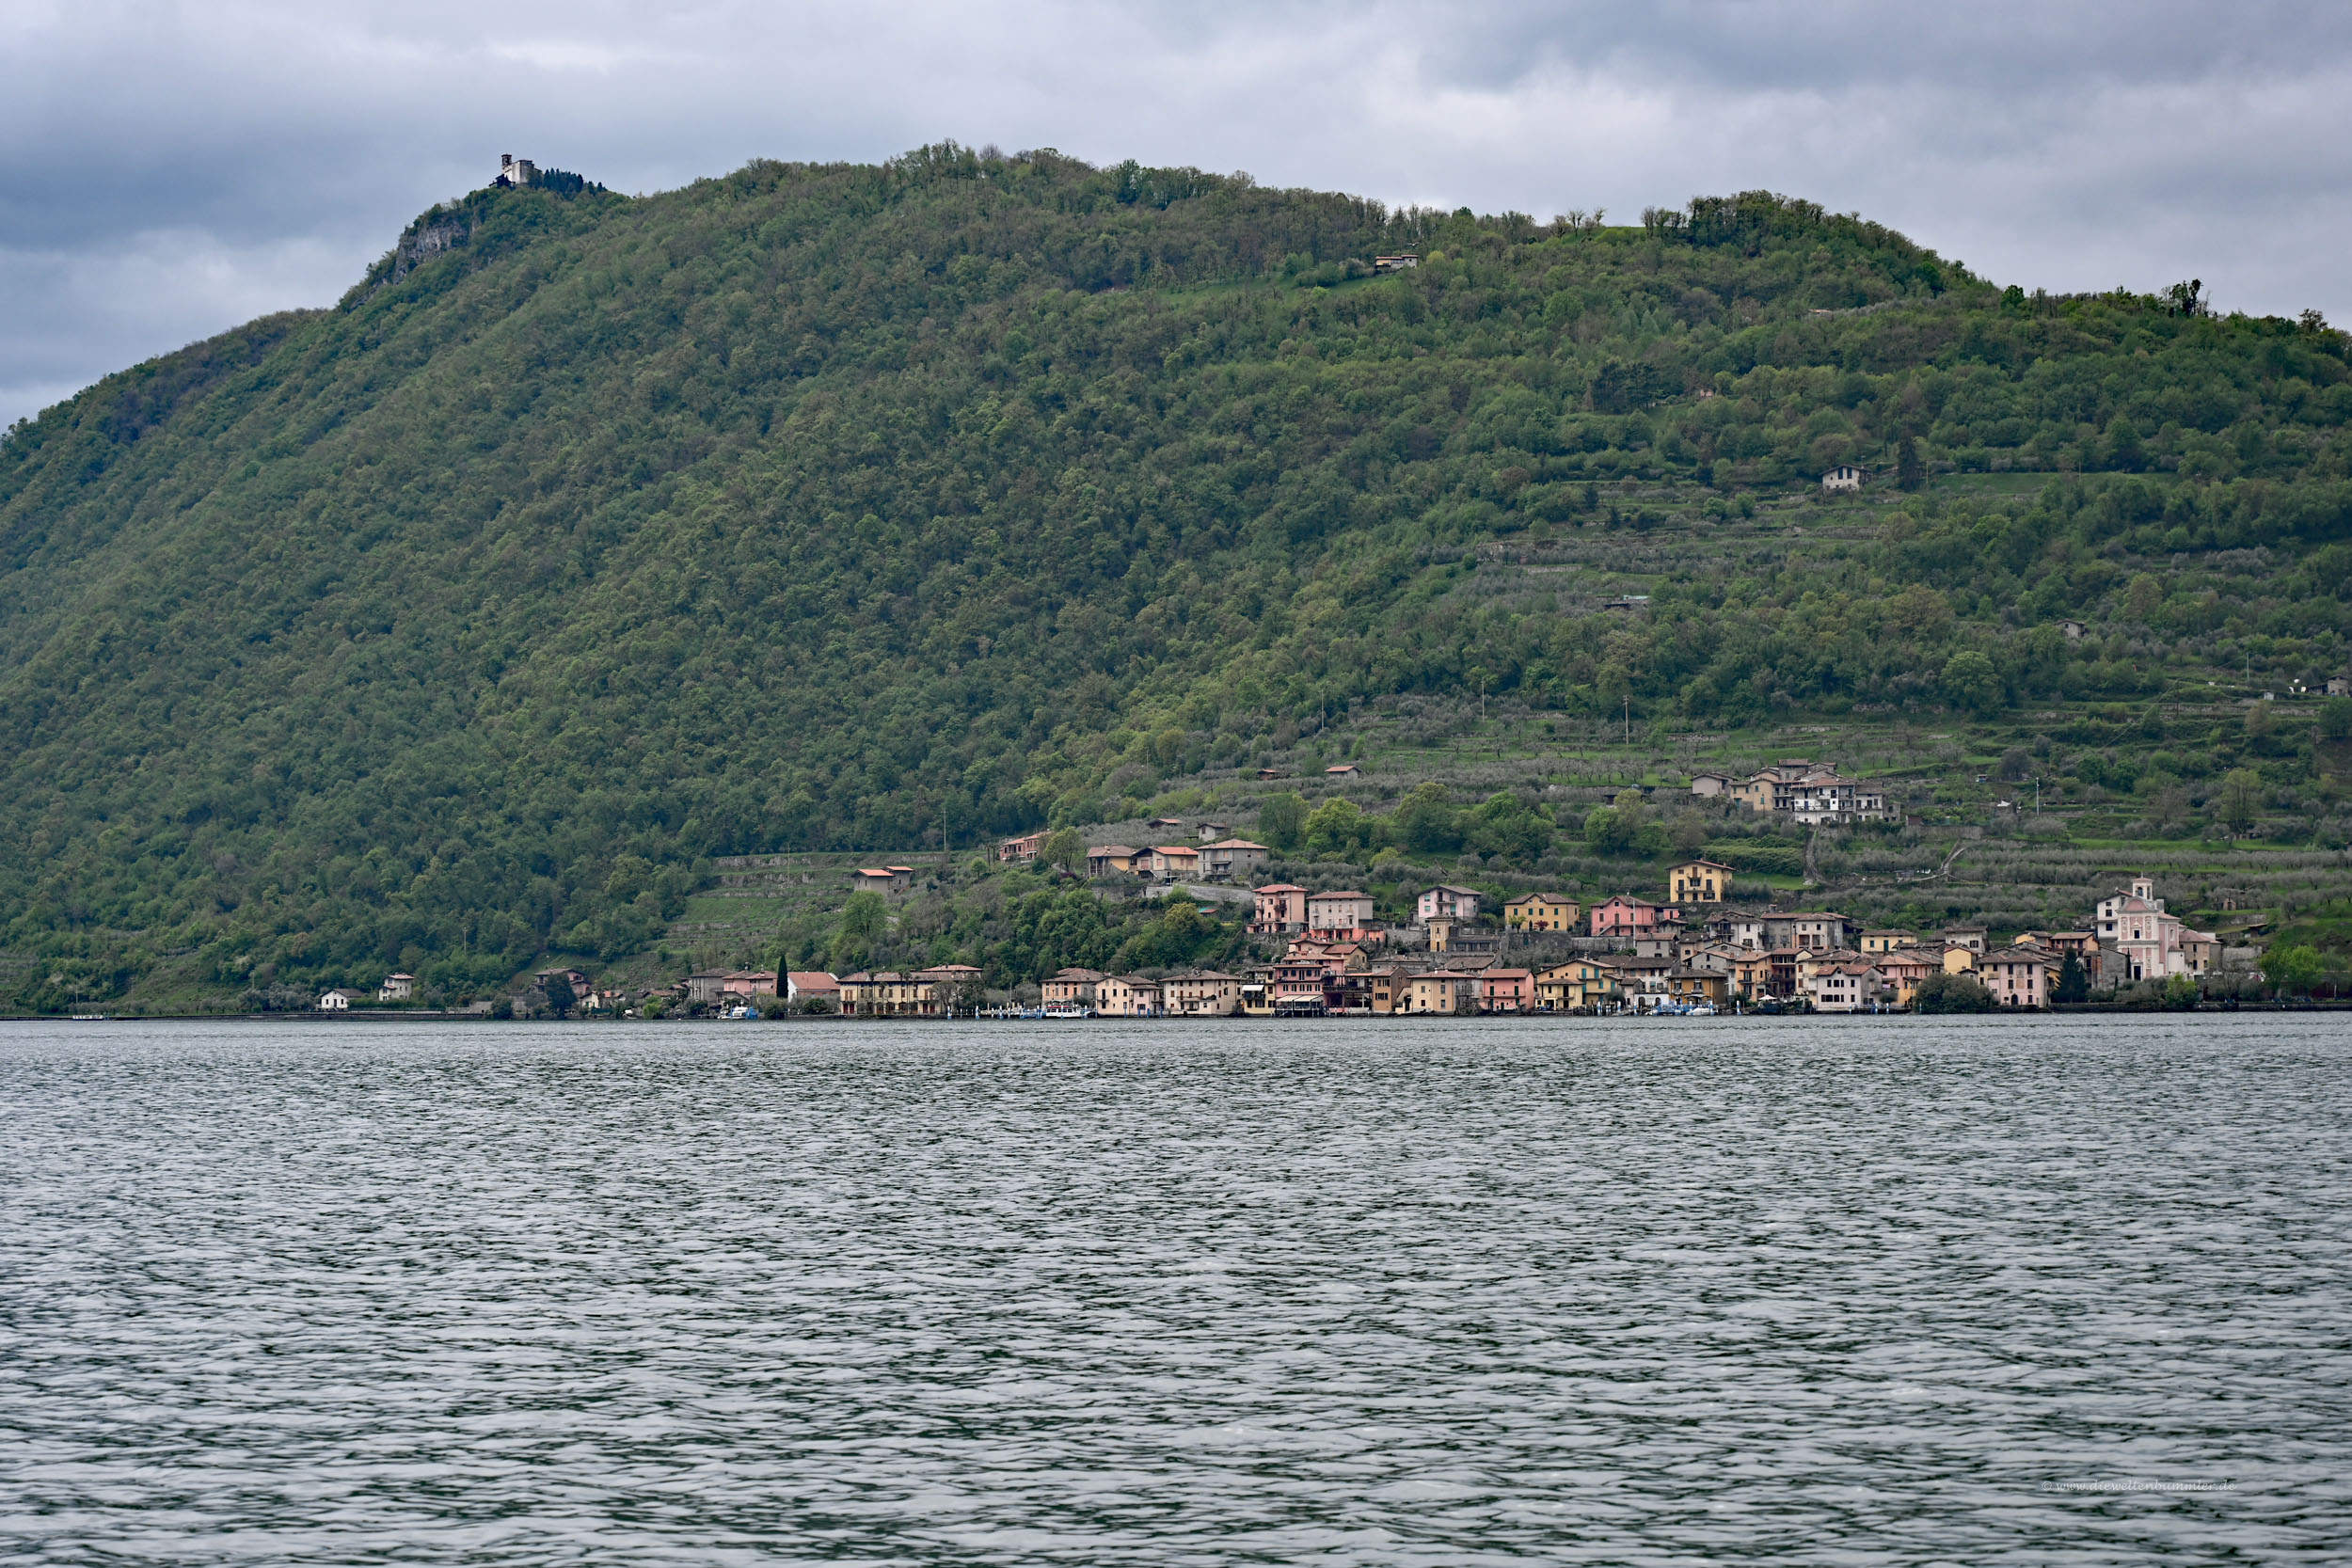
703, 986
1280, 907
1204, 993
1506, 990
1440, 991
397, 988
1749, 972
1698, 882
811, 985
2018, 976
1540, 911
1448, 902
1071, 987
1693, 985
1127, 996
750, 984
1384, 987
1843, 988
933, 993
338, 1001
1580, 985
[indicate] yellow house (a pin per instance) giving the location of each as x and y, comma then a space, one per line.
1957, 960
1698, 882
1885, 939
1699, 985
1541, 911
1573, 986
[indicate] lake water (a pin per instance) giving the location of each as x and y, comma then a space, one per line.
1904, 1290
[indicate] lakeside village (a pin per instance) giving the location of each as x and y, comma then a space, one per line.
1695, 952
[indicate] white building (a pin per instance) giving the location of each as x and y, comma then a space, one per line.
1447, 902
514, 173
338, 1001
1843, 477
397, 988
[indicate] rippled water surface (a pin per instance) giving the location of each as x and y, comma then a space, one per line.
1867, 1291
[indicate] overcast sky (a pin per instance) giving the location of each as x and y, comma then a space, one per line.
169, 169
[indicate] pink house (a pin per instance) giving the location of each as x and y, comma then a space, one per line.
1281, 907
1628, 916
1506, 990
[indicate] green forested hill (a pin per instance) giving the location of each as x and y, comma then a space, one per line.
828, 507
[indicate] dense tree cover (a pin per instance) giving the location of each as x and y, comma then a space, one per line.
847, 506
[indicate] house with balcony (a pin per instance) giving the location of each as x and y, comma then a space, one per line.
1698, 882
1577, 986
1128, 996
1070, 989
1506, 990
1201, 993
1447, 902
1115, 860
1341, 917
1280, 907
1228, 857
1625, 917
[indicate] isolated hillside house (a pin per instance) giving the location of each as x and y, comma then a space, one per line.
1026, 848
1446, 901
884, 878
1113, 860
1540, 911
1698, 882
2072, 630
397, 988
2339, 685
1404, 262
1342, 770
514, 173
1174, 863
1843, 477
1231, 857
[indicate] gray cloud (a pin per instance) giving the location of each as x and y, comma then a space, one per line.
168, 169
